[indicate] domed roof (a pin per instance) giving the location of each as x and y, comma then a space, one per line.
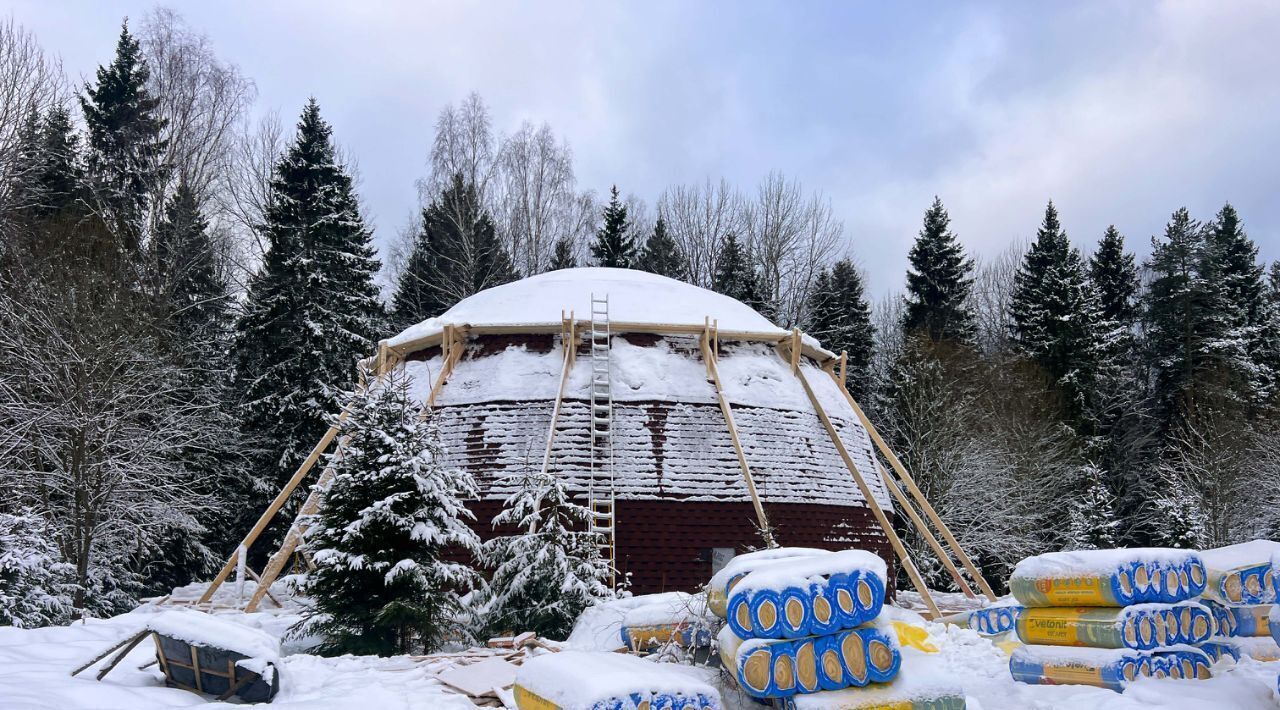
634, 297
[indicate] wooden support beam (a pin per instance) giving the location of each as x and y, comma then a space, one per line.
920, 498
129, 646
910, 510
124, 641
713, 374
568, 341
844, 364
796, 350
876, 510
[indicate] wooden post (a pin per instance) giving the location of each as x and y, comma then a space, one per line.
844, 364
919, 496
903, 503
796, 349
569, 342
713, 373
137, 639
876, 510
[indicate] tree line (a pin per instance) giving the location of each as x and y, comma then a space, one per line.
185, 291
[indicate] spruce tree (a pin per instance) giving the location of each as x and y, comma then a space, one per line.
1056, 319
840, 318
192, 294
125, 148
456, 253
736, 277
614, 246
661, 255
49, 179
382, 584
36, 586
1185, 320
938, 282
549, 569
1243, 296
563, 257
313, 308
1115, 279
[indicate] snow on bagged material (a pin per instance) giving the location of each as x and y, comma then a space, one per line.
634, 297
597, 629
723, 582
1262, 648
1104, 668
200, 629
780, 668
1243, 573
1139, 626
678, 617
580, 680
807, 596
1117, 577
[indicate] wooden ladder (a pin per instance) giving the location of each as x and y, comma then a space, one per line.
600, 491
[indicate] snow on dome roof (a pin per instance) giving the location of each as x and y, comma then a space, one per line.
634, 297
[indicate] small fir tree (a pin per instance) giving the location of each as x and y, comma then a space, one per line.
550, 568
938, 282
36, 586
661, 255
1114, 274
615, 245
1177, 515
382, 584
1242, 290
1093, 524
125, 149
840, 318
736, 277
562, 257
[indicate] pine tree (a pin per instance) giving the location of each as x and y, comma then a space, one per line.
1243, 296
563, 257
1093, 524
736, 277
1056, 317
615, 246
36, 586
457, 253
312, 309
125, 148
549, 569
840, 318
381, 584
661, 255
938, 282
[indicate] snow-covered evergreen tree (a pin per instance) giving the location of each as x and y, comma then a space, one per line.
615, 245
125, 148
456, 253
1093, 524
840, 318
1187, 325
1114, 274
736, 277
312, 310
1179, 520
938, 282
549, 569
382, 583
1243, 295
36, 586
661, 255
1056, 319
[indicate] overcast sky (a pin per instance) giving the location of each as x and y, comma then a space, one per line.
1120, 112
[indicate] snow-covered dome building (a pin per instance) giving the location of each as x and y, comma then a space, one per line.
494, 369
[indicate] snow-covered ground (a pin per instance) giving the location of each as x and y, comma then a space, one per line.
35, 670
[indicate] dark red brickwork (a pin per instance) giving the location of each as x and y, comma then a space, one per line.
666, 545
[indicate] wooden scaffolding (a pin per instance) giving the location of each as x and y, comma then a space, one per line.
803, 358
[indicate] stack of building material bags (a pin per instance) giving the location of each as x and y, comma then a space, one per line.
1123, 614
800, 631
994, 621
676, 619
1242, 594
597, 680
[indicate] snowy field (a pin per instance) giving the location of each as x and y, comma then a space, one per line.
35, 667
